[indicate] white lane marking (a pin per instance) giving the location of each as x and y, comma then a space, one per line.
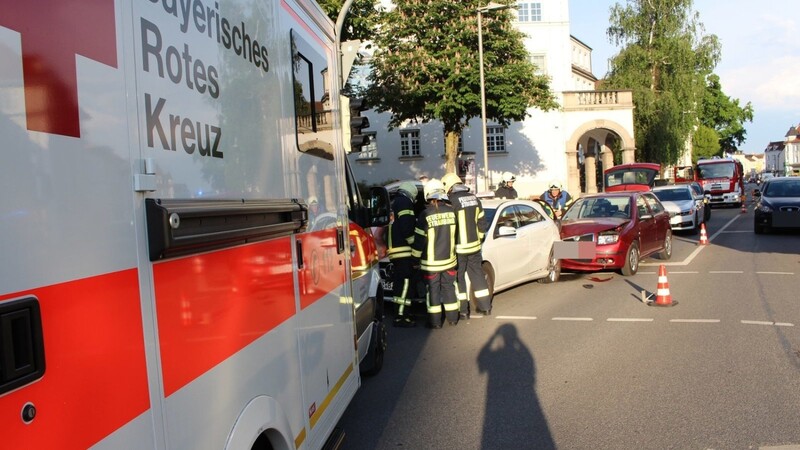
725, 271
699, 248
738, 231
762, 322
515, 318
688, 271
577, 319
694, 320
781, 447
775, 273
627, 319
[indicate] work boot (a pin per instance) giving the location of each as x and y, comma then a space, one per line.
464, 315
404, 322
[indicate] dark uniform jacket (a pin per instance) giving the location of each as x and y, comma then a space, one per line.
435, 238
469, 218
505, 192
401, 230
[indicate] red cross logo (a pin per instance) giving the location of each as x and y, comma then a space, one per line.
52, 33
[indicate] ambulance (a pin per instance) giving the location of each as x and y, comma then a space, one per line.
186, 258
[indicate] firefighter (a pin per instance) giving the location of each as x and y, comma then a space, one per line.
506, 189
471, 226
400, 236
434, 245
557, 198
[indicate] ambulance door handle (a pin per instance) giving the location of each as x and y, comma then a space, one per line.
340, 240
21, 343
298, 244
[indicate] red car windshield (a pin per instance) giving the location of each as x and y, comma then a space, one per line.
599, 207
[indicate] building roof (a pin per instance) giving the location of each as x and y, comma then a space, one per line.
776, 146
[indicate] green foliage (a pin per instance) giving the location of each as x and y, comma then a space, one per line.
360, 21
723, 114
664, 60
706, 143
426, 67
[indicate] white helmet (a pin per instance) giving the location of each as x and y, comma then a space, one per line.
554, 184
449, 180
508, 177
409, 187
434, 190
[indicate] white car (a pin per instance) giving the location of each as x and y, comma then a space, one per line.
518, 248
519, 244
686, 210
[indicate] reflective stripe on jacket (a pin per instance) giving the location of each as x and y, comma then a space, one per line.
470, 220
435, 238
400, 234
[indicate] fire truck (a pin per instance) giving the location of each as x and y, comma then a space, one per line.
721, 178
165, 282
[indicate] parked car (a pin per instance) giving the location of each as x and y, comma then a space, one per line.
705, 196
686, 209
518, 247
624, 227
777, 204
519, 244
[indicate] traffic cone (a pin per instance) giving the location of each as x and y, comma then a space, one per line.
663, 297
744, 208
703, 235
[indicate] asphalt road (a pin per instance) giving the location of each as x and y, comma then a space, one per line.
584, 364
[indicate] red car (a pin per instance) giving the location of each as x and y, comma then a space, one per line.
624, 227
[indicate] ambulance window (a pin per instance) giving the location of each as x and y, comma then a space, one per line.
312, 105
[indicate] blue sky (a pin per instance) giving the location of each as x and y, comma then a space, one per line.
760, 56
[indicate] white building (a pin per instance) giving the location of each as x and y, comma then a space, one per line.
572, 144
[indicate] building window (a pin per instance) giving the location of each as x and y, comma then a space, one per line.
539, 60
529, 12
409, 143
496, 139
369, 151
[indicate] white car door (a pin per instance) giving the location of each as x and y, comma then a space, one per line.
537, 233
506, 253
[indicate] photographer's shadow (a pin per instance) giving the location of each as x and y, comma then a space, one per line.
514, 418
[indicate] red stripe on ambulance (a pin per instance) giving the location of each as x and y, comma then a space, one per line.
95, 379
212, 305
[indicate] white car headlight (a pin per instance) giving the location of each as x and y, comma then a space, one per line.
605, 239
764, 208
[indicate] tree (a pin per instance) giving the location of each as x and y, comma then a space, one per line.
664, 60
425, 67
705, 143
360, 21
723, 114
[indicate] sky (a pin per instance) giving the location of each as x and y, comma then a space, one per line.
760, 60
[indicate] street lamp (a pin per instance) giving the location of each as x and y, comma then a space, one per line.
492, 6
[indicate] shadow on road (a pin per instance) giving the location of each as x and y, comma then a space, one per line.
514, 418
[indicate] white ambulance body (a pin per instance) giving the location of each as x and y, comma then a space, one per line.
163, 282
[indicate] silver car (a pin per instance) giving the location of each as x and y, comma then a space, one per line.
686, 210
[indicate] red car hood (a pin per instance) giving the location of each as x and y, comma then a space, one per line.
585, 226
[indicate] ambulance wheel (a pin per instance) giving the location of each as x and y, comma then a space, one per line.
373, 361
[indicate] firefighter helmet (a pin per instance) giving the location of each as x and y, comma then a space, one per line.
410, 188
449, 180
508, 177
434, 190
554, 184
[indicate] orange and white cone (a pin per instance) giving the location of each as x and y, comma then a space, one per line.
663, 297
744, 208
703, 235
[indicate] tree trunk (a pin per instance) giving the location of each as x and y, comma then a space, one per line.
451, 151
